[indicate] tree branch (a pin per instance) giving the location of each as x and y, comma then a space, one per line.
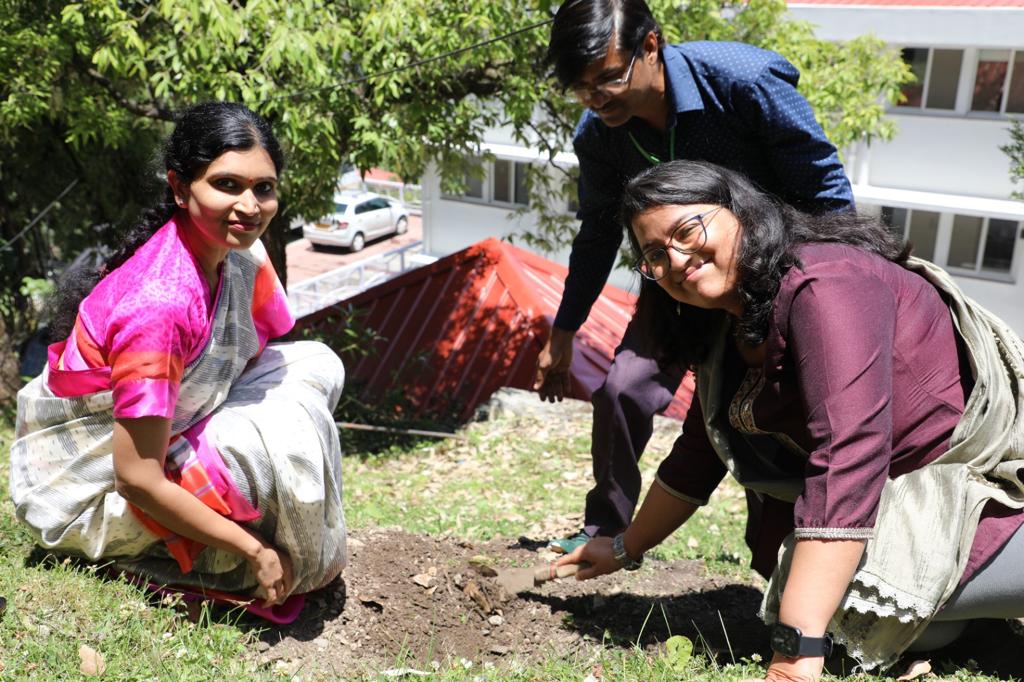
151, 110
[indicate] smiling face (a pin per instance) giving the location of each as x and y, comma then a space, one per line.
620, 85
706, 278
230, 204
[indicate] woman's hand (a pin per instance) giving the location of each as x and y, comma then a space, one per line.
804, 669
598, 553
273, 571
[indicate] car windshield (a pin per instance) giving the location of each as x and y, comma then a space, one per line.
340, 208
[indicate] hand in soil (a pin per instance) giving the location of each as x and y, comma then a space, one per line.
598, 553
805, 669
273, 571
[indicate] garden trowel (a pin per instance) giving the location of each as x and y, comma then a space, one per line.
516, 580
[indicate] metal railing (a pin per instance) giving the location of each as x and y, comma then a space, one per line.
317, 293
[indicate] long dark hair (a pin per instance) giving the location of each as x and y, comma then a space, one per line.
770, 231
201, 134
583, 28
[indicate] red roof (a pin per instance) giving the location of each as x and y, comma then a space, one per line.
455, 331
912, 3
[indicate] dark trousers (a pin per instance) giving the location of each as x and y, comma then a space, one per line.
624, 408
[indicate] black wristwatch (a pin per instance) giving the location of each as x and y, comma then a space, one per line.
619, 550
789, 641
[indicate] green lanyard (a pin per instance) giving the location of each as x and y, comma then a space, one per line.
651, 157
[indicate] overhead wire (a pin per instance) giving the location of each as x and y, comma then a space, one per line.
6, 246
412, 65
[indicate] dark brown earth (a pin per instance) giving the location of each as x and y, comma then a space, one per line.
407, 600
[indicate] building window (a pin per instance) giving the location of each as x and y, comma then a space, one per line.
920, 228
503, 183
937, 73
509, 182
999, 82
983, 245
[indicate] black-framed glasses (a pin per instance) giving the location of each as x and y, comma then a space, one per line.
688, 237
610, 87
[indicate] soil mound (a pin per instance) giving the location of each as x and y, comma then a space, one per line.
407, 600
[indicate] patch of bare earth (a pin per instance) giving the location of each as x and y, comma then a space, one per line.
407, 600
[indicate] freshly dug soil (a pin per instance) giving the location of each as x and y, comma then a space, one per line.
407, 600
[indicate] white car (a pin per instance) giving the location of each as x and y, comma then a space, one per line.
357, 218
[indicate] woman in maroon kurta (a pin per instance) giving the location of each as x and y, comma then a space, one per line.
843, 369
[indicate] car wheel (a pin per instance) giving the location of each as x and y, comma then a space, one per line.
402, 226
358, 242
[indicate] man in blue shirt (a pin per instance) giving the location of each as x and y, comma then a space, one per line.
647, 102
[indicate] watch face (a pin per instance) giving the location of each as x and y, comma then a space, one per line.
785, 640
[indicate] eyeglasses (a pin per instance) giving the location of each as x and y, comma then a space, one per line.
688, 237
609, 87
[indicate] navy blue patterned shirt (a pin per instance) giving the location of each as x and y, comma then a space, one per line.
731, 104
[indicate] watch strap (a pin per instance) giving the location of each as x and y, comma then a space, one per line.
815, 646
789, 641
621, 556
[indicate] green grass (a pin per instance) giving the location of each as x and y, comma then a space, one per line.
506, 479
520, 478
56, 607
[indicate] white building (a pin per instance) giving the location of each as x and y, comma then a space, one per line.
942, 182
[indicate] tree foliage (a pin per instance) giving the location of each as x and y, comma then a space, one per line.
1015, 151
87, 89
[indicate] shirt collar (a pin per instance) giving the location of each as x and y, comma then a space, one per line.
679, 83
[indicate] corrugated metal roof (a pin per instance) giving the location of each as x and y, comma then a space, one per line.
453, 332
912, 3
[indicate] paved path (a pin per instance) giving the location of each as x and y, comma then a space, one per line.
304, 262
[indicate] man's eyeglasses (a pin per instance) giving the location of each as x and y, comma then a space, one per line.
688, 237
609, 87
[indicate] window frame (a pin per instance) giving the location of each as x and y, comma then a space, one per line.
970, 60
488, 182
1007, 81
977, 272
926, 83
944, 240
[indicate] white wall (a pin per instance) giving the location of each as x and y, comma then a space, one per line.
950, 154
924, 26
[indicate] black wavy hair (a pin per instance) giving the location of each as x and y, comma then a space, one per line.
583, 29
770, 231
201, 134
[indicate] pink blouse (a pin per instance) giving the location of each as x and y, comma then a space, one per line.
147, 320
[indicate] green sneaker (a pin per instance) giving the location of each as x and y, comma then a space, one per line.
569, 544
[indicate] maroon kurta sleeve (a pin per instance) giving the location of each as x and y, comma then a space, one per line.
838, 321
692, 470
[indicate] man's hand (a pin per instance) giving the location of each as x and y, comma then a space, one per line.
598, 553
552, 378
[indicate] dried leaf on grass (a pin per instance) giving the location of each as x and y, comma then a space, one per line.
423, 580
915, 670
92, 661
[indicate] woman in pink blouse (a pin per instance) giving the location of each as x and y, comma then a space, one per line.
865, 404
165, 433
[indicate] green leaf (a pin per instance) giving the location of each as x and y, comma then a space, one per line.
678, 651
